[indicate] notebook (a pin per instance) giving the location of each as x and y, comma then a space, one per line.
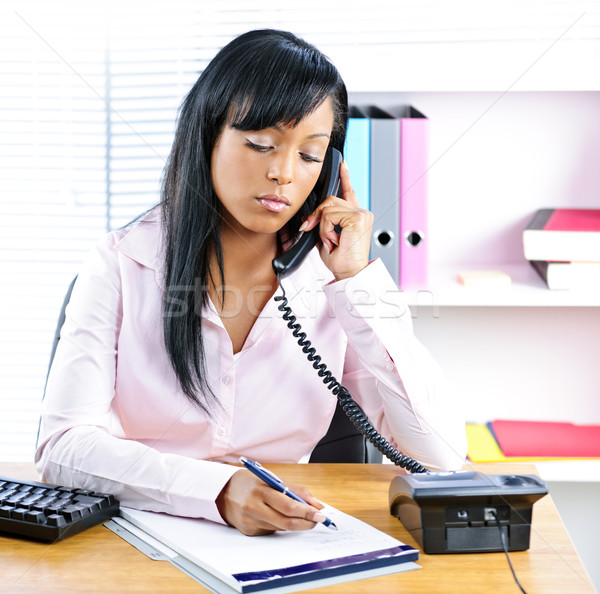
224, 560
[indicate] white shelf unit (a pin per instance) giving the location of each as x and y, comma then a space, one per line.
495, 158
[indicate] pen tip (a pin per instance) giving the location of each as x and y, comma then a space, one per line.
333, 526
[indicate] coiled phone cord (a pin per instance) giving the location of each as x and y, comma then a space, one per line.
352, 409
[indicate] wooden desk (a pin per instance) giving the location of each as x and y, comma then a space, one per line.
99, 561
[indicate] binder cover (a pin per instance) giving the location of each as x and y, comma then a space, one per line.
481, 445
357, 154
413, 240
385, 187
547, 439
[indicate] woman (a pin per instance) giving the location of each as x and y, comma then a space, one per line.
174, 359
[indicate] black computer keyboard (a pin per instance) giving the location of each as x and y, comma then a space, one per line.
49, 513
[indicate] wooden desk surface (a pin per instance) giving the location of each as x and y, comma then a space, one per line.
99, 561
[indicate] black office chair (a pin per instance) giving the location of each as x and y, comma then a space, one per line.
59, 325
342, 442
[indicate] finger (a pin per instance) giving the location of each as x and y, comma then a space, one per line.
306, 495
348, 193
314, 217
331, 222
271, 516
344, 217
287, 514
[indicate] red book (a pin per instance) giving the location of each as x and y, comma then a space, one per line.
563, 235
547, 439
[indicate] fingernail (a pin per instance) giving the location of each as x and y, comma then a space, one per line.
303, 226
318, 517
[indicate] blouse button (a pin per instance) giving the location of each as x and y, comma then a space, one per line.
222, 431
227, 380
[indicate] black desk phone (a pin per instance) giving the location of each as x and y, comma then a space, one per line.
447, 512
462, 511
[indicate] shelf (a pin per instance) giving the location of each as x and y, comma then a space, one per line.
527, 290
576, 471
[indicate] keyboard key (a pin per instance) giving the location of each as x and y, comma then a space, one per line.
85, 500
56, 507
5, 511
37, 517
44, 503
29, 501
57, 520
5, 497
18, 513
17, 497
108, 499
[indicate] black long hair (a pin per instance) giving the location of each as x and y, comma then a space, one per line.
260, 79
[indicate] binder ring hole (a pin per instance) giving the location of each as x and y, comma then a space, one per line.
414, 238
384, 238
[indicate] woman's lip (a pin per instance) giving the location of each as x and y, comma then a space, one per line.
274, 203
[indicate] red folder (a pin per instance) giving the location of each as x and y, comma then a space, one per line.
547, 439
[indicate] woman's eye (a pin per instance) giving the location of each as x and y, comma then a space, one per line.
257, 147
311, 158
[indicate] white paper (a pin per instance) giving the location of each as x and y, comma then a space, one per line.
226, 551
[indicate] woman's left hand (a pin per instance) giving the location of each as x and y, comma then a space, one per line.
347, 253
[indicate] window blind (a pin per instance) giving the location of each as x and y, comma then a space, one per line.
87, 112
88, 102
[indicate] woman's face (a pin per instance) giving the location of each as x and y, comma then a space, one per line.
262, 177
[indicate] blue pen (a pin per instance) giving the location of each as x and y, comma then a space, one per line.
273, 481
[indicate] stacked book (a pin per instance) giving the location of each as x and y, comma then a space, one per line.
563, 246
387, 154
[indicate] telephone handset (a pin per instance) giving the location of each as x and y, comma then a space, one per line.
328, 185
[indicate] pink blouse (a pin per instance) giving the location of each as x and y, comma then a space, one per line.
115, 420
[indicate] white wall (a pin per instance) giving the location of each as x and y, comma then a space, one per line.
496, 158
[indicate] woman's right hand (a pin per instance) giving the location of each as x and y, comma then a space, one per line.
254, 508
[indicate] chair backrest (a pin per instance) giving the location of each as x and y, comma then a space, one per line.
59, 325
342, 442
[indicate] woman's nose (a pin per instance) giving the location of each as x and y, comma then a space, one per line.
282, 169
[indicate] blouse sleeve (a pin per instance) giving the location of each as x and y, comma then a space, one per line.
79, 443
391, 374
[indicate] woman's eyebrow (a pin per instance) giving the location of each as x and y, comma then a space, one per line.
316, 135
